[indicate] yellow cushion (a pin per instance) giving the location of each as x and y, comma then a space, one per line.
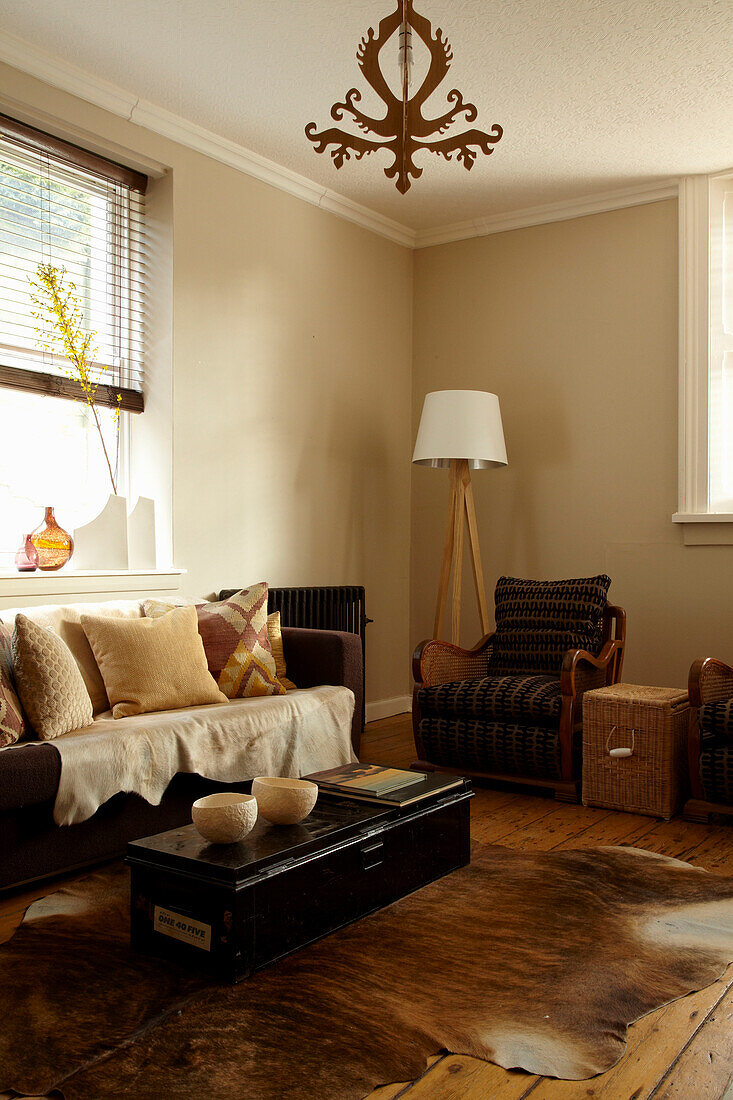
274, 633
152, 664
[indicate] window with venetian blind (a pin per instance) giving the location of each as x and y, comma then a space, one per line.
82, 213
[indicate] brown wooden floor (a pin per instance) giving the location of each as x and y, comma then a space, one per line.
684, 1050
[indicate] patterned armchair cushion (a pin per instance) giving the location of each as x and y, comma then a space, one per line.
538, 621
526, 700
497, 747
716, 773
716, 723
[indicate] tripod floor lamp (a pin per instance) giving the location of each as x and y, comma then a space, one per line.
460, 430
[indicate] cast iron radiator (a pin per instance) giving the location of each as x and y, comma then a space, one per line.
322, 607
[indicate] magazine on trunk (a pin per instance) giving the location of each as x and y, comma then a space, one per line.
380, 784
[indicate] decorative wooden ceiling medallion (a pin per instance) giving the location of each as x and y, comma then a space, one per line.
404, 129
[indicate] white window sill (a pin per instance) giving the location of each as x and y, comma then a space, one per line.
91, 582
706, 528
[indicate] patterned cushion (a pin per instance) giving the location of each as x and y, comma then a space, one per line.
153, 609
716, 773
521, 699
12, 722
716, 722
49, 683
236, 642
497, 747
538, 621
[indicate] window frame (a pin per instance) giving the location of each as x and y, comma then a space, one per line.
701, 523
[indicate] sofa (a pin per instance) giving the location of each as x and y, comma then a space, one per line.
35, 846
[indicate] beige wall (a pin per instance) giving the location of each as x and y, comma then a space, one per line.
283, 353
290, 394
574, 325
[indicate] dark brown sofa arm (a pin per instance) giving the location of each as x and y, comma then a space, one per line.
318, 657
438, 662
29, 775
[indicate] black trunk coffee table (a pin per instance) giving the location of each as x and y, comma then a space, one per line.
236, 908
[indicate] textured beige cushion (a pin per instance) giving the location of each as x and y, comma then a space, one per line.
48, 681
66, 622
152, 664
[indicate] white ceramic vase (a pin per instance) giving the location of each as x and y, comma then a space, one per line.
102, 543
141, 535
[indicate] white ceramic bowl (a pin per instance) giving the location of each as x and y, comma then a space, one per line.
224, 818
284, 801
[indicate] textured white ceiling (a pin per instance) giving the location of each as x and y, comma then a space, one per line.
592, 94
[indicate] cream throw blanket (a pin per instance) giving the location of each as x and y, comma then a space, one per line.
304, 731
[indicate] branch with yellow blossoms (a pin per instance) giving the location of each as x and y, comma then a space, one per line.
61, 331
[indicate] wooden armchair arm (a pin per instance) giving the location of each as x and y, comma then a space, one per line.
438, 662
581, 671
709, 681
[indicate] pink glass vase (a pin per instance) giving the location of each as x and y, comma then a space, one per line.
26, 560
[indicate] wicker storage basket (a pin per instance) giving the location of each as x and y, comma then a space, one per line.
635, 748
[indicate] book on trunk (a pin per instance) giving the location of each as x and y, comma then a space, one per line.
380, 784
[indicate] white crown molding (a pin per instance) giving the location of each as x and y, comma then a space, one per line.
62, 74
245, 160
68, 77
37, 62
550, 212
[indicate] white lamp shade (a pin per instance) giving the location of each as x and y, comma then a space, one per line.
460, 424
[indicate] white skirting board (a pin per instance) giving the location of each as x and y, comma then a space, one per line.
385, 708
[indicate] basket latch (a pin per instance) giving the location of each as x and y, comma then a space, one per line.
625, 750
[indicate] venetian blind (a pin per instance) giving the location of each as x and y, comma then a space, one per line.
79, 212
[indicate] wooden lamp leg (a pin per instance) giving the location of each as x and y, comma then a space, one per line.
446, 563
458, 513
460, 509
478, 573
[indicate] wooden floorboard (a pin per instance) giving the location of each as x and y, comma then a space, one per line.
683, 1051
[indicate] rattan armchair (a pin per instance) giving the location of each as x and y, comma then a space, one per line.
710, 744
437, 662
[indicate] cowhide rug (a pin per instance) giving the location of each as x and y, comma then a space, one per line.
531, 960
